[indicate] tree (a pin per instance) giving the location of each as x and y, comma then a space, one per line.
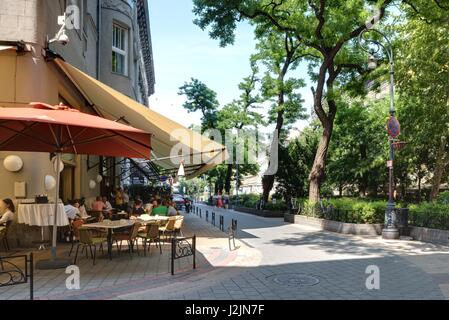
295, 161
279, 53
325, 29
241, 114
201, 98
358, 149
423, 82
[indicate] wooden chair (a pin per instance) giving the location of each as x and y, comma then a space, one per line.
87, 240
169, 228
151, 234
130, 237
4, 235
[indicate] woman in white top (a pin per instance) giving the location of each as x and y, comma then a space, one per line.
8, 209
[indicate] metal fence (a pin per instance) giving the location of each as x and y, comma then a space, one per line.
182, 248
12, 274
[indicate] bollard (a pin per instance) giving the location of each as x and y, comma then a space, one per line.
207, 216
213, 218
221, 223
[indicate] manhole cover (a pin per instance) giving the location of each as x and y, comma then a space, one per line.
294, 280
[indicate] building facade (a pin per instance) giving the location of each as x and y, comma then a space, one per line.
110, 40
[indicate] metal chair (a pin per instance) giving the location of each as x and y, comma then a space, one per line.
169, 228
178, 225
4, 235
86, 240
130, 237
151, 235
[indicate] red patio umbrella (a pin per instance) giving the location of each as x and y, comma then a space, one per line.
59, 129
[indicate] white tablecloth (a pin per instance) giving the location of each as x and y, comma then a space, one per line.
42, 215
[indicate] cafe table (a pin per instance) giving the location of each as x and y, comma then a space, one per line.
144, 219
110, 226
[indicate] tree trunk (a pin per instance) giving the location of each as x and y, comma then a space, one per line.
317, 173
439, 169
363, 184
228, 179
419, 189
268, 180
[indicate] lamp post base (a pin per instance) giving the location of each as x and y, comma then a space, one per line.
390, 234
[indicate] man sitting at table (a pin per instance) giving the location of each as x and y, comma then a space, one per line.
71, 209
172, 209
107, 204
138, 208
98, 204
161, 209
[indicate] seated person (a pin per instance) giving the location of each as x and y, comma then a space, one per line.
172, 209
98, 204
7, 208
149, 207
107, 204
72, 210
161, 209
138, 208
82, 208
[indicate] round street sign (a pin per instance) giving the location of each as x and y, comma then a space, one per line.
393, 127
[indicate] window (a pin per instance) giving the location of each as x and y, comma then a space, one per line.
120, 50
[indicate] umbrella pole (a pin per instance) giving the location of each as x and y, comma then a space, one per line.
55, 218
53, 262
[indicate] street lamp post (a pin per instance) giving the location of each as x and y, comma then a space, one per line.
390, 230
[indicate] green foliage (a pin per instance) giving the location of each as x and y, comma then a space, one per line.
430, 215
443, 197
278, 206
359, 146
201, 98
295, 161
248, 200
351, 210
193, 186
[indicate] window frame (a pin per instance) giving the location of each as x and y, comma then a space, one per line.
120, 51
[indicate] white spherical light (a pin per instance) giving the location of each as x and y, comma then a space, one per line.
99, 178
92, 184
13, 163
61, 164
50, 182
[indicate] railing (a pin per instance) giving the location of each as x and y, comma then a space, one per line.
14, 275
182, 248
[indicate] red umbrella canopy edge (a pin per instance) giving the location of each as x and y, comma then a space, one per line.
45, 128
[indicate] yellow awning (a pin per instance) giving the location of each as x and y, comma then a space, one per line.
198, 152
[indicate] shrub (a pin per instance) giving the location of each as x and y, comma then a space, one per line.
443, 197
278, 206
429, 215
347, 210
248, 200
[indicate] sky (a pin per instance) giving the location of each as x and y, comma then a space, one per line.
181, 51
